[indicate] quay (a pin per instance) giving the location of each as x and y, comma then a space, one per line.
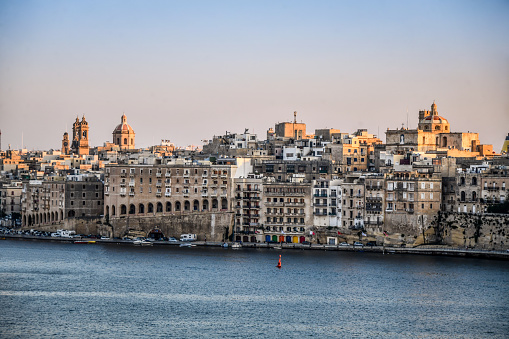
438, 250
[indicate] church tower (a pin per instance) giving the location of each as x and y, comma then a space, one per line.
80, 137
65, 144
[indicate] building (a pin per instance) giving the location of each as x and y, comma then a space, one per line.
286, 211
327, 203
248, 226
123, 135
292, 130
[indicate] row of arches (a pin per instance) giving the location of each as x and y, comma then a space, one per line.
42, 218
177, 206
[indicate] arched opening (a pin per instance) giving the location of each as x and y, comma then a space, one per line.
168, 206
462, 196
214, 204
224, 204
141, 208
52, 217
187, 205
132, 141
196, 205
444, 142
150, 208
159, 207
474, 181
107, 210
462, 181
123, 209
29, 220
474, 196
71, 214
177, 206
113, 210
205, 205
132, 209
44, 217
125, 141
61, 215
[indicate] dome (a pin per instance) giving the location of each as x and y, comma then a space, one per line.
123, 127
436, 119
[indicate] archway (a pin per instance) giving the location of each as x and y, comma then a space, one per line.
224, 204
177, 206
71, 214
187, 205
462, 196
113, 210
214, 204
196, 205
123, 209
168, 206
141, 208
132, 209
159, 207
205, 205
150, 208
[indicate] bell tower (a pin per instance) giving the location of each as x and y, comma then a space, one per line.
65, 144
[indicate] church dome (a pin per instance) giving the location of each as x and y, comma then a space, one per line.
436, 119
123, 127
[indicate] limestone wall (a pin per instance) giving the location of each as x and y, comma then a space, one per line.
479, 231
212, 226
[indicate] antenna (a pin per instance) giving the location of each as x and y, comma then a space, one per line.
407, 117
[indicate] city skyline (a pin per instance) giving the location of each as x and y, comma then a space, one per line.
187, 72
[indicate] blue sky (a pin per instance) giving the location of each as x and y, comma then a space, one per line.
188, 70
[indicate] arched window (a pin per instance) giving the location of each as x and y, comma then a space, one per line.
132, 209
224, 204
168, 206
132, 141
196, 205
107, 210
150, 208
205, 205
71, 214
187, 205
462, 181
159, 207
402, 139
474, 196
177, 206
214, 204
462, 196
113, 210
123, 209
125, 141
474, 181
141, 208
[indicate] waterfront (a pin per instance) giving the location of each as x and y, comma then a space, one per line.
63, 289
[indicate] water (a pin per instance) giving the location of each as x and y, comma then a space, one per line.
117, 291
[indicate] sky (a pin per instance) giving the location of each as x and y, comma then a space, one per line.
189, 70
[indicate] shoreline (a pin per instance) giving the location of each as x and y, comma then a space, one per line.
422, 250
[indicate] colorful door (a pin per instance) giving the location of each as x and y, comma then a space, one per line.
267, 238
295, 240
302, 239
274, 238
288, 239
281, 238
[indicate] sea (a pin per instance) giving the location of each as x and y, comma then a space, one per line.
65, 290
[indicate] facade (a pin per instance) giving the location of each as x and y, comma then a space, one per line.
66, 149
353, 201
292, 130
123, 135
248, 226
327, 203
374, 201
84, 197
286, 211
412, 199
10, 198
285, 171
43, 203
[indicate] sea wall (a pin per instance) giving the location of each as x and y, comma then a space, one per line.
206, 225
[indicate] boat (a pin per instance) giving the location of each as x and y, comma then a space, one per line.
142, 243
236, 245
84, 241
187, 244
224, 245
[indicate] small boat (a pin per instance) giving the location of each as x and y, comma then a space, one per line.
224, 245
187, 245
84, 241
236, 245
142, 243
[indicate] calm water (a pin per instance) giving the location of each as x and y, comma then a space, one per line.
114, 291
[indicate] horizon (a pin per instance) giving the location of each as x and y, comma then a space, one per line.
229, 66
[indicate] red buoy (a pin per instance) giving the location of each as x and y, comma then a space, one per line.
279, 263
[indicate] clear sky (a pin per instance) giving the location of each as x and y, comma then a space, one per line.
188, 70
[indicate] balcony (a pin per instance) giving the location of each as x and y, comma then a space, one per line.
167, 174
131, 184
131, 194
158, 175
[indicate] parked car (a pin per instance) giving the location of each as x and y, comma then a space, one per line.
172, 239
371, 243
344, 244
357, 243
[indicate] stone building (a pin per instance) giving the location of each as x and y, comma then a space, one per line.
412, 199
353, 201
84, 196
284, 171
286, 211
247, 208
292, 130
123, 135
374, 201
142, 196
494, 183
10, 198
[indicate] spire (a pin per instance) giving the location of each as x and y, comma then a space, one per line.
434, 110
123, 119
